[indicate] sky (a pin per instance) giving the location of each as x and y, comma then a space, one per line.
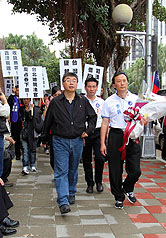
24, 24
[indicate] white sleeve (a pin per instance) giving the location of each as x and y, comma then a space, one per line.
105, 110
4, 110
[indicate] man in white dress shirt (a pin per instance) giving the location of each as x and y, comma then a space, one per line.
93, 141
112, 114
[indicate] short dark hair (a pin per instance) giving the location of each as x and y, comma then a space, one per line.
117, 74
17, 86
91, 79
55, 89
46, 95
71, 74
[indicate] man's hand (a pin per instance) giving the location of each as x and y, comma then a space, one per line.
3, 98
84, 134
144, 121
10, 139
103, 149
1, 182
13, 90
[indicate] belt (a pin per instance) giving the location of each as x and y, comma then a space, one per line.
116, 129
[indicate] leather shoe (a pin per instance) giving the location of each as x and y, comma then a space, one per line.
89, 189
7, 231
9, 222
99, 187
64, 209
8, 184
71, 199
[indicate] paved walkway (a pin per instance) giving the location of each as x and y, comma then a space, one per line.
34, 197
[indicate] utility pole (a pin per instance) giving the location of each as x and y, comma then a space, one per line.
148, 139
148, 52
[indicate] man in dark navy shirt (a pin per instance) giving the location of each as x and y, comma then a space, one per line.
70, 117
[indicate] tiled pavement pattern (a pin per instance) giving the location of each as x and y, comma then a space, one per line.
93, 215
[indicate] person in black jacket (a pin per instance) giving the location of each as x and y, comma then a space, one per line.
14, 104
31, 118
66, 117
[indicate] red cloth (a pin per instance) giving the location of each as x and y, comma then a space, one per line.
130, 115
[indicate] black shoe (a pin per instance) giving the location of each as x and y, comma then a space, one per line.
72, 199
7, 231
99, 187
89, 189
64, 209
130, 196
9, 222
119, 204
8, 184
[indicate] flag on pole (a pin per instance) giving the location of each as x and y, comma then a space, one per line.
156, 82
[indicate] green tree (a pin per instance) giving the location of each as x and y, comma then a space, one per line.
136, 74
35, 53
88, 26
162, 59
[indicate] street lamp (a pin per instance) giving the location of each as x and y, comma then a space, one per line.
122, 14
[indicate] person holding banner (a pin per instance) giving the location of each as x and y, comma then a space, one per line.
112, 114
66, 117
4, 113
93, 140
32, 122
14, 104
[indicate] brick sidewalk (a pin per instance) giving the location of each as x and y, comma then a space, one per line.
93, 215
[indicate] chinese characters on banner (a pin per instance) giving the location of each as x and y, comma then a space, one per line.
74, 66
9, 85
31, 82
45, 79
53, 85
11, 62
96, 72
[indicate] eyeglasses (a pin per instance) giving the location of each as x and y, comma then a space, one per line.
71, 81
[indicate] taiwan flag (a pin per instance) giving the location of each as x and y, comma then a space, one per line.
156, 82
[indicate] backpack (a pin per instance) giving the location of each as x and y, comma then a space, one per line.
37, 120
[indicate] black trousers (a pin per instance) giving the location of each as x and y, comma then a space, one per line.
5, 203
51, 153
163, 152
93, 143
15, 132
7, 165
115, 163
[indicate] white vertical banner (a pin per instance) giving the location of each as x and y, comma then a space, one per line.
45, 79
31, 82
8, 83
96, 72
11, 62
71, 65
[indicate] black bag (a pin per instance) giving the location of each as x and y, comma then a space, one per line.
37, 120
24, 131
3, 127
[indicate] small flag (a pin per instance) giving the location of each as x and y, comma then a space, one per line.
156, 82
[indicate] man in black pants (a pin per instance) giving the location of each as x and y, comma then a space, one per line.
14, 104
112, 113
93, 140
6, 224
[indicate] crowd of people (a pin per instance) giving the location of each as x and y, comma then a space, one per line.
71, 127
